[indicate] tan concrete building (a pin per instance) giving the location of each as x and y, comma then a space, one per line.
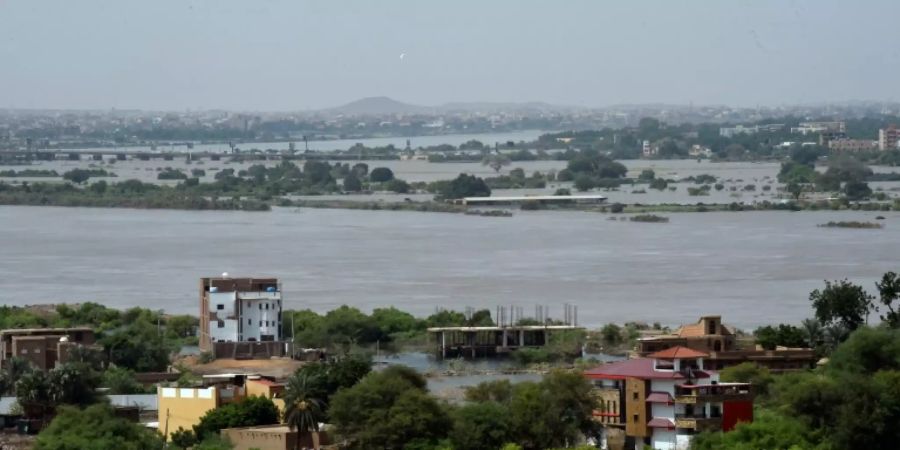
888, 138
45, 348
711, 336
273, 437
852, 145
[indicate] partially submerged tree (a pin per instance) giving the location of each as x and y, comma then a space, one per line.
842, 302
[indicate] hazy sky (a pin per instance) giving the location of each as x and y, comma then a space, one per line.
295, 55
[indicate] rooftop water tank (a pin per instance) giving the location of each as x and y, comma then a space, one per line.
271, 289
213, 289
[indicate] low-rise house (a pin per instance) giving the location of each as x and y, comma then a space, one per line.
852, 145
663, 400
184, 407
698, 151
44, 348
709, 335
273, 437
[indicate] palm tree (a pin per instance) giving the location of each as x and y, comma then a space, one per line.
302, 411
834, 335
813, 329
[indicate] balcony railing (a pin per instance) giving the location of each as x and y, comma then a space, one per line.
698, 423
711, 394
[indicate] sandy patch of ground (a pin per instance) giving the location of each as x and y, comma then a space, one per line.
275, 367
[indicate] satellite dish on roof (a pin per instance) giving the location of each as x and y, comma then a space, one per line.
224, 274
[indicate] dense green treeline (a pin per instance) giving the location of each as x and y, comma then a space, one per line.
137, 339
348, 326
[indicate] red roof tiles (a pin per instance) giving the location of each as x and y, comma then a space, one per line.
659, 422
677, 352
660, 397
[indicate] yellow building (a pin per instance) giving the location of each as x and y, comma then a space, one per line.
183, 407
263, 387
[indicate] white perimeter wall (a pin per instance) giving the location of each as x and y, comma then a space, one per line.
663, 439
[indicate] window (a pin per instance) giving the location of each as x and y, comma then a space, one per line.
221, 324
260, 306
634, 418
220, 306
260, 323
634, 395
249, 322
267, 306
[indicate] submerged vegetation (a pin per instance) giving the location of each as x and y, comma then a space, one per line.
652, 218
851, 224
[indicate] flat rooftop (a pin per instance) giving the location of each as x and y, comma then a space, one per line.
50, 331
240, 284
509, 328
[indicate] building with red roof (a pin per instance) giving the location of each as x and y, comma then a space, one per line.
664, 399
709, 335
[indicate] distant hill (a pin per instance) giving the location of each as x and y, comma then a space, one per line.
377, 106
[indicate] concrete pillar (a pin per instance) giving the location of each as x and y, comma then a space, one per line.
521, 338
443, 344
504, 338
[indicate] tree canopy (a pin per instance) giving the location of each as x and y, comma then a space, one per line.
389, 409
381, 174
248, 412
97, 428
842, 303
465, 185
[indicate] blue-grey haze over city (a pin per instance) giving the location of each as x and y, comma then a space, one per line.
301, 55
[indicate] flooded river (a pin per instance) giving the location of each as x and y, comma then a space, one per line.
751, 267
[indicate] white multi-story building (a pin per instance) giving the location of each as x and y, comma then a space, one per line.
236, 310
